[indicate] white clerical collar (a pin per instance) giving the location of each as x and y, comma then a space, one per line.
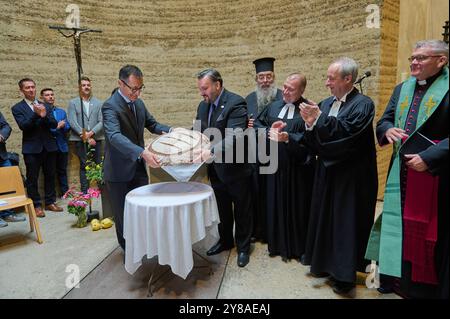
290, 108
422, 82
344, 98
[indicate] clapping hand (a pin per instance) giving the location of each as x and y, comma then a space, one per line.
309, 112
275, 133
39, 109
61, 124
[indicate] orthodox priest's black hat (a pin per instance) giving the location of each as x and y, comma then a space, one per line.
264, 64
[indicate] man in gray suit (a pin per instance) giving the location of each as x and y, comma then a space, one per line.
124, 119
93, 126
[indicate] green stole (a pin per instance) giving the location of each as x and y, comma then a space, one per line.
385, 241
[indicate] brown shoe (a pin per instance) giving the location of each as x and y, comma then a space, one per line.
54, 208
39, 212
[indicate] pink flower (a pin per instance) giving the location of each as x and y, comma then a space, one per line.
94, 192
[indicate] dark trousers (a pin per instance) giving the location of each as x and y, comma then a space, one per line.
33, 163
117, 193
259, 204
81, 153
61, 171
234, 195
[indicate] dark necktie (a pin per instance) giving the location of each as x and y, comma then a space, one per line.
212, 108
132, 108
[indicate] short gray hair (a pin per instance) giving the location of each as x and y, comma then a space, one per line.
347, 66
299, 76
437, 46
213, 74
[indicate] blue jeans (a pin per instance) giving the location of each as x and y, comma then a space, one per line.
4, 213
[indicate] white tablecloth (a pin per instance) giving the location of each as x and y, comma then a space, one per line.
165, 219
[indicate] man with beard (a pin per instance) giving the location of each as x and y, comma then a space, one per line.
265, 93
222, 111
93, 125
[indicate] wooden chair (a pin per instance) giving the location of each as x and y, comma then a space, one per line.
13, 193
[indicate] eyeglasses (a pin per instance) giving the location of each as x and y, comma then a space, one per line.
420, 58
133, 90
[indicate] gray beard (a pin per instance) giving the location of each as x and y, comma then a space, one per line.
265, 96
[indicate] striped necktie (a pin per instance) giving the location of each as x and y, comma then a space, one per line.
132, 108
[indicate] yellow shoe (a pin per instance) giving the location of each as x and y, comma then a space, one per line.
106, 223
96, 225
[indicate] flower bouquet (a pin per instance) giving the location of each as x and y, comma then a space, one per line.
94, 174
78, 202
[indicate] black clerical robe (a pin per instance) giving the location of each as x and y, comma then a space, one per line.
288, 190
345, 188
259, 181
436, 128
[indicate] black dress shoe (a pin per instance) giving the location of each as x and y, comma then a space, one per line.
218, 248
385, 290
302, 260
320, 274
343, 288
243, 259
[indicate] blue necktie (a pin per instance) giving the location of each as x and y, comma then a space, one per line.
212, 108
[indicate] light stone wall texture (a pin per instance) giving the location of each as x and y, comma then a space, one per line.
172, 40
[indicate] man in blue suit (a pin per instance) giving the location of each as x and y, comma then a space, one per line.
38, 145
60, 133
124, 119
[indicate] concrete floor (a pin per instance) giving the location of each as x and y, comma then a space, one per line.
30, 270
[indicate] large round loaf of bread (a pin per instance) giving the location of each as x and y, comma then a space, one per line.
179, 146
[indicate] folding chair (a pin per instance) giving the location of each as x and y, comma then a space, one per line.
13, 193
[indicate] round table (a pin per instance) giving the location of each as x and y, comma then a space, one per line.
166, 219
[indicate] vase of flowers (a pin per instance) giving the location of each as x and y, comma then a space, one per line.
78, 202
94, 174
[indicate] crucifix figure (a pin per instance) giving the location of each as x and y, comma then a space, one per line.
76, 33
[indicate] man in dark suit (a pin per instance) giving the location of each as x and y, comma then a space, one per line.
224, 110
266, 92
124, 119
5, 130
38, 145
